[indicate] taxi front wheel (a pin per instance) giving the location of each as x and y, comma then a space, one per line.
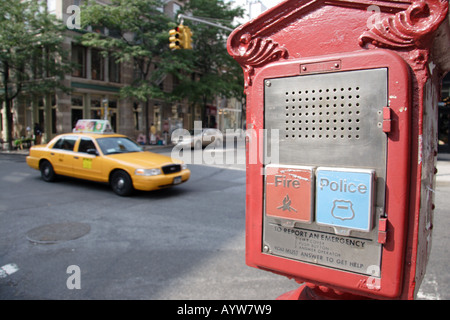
47, 172
121, 183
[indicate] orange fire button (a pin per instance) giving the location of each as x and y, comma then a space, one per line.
289, 192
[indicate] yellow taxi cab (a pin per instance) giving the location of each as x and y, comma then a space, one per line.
94, 152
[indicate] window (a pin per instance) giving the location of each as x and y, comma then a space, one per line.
114, 71
117, 145
79, 58
77, 114
77, 100
65, 143
96, 107
85, 145
98, 65
77, 108
136, 112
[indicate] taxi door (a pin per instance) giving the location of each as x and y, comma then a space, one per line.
61, 155
86, 163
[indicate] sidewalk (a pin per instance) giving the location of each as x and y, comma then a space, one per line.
17, 152
443, 167
443, 156
25, 152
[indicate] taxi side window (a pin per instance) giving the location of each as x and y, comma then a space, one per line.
65, 143
85, 145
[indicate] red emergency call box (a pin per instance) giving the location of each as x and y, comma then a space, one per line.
343, 201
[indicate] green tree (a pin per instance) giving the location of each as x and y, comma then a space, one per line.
216, 72
31, 56
138, 34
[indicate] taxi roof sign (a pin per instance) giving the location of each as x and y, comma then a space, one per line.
93, 126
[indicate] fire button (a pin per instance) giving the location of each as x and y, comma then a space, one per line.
289, 192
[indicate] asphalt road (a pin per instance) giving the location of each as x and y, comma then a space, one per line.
176, 244
181, 243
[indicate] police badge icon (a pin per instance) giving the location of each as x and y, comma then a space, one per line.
343, 210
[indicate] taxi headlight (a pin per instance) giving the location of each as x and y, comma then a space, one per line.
147, 172
183, 166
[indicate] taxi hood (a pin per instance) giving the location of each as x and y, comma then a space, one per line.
144, 159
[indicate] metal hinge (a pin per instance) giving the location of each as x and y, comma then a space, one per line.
382, 230
386, 120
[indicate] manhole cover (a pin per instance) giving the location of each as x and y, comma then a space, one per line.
58, 232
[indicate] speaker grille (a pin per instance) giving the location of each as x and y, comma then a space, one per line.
323, 113
324, 110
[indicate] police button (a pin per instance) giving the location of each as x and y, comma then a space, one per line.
344, 199
289, 192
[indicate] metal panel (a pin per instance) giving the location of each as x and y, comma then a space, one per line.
328, 120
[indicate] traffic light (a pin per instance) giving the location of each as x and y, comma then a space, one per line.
180, 38
187, 34
175, 39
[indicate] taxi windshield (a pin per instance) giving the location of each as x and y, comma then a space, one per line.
113, 145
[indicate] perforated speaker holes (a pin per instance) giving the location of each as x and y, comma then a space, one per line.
333, 113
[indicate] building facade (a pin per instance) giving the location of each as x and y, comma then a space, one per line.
95, 87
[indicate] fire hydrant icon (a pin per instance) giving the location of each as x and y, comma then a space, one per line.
343, 210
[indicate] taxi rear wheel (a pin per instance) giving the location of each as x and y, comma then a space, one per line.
47, 172
121, 183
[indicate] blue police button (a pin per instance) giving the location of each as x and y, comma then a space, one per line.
344, 198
